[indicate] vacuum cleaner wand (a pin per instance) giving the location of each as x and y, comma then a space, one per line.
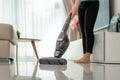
63, 40
66, 25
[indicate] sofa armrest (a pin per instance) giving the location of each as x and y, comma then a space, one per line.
8, 33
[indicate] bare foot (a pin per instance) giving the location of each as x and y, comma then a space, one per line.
84, 59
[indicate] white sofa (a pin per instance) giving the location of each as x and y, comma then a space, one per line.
8, 41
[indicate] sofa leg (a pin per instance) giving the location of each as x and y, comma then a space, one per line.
11, 59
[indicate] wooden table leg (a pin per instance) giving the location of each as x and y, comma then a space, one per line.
35, 50
17, 60
17, 52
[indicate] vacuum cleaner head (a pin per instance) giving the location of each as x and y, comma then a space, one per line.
53, 61
63, 40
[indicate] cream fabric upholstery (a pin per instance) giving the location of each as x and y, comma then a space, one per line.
8, 40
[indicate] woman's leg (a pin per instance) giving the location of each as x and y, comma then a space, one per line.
90, 18
90, 15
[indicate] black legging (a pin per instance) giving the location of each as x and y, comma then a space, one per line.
87, 16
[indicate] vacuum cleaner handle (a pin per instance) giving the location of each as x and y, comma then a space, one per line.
66, 25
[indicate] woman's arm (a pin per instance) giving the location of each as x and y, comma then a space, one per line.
72, 2
75, 7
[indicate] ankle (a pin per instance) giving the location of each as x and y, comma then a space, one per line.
87, 55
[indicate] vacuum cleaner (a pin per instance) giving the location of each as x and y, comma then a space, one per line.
61, 46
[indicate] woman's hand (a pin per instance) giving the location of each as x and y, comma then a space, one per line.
74, 11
